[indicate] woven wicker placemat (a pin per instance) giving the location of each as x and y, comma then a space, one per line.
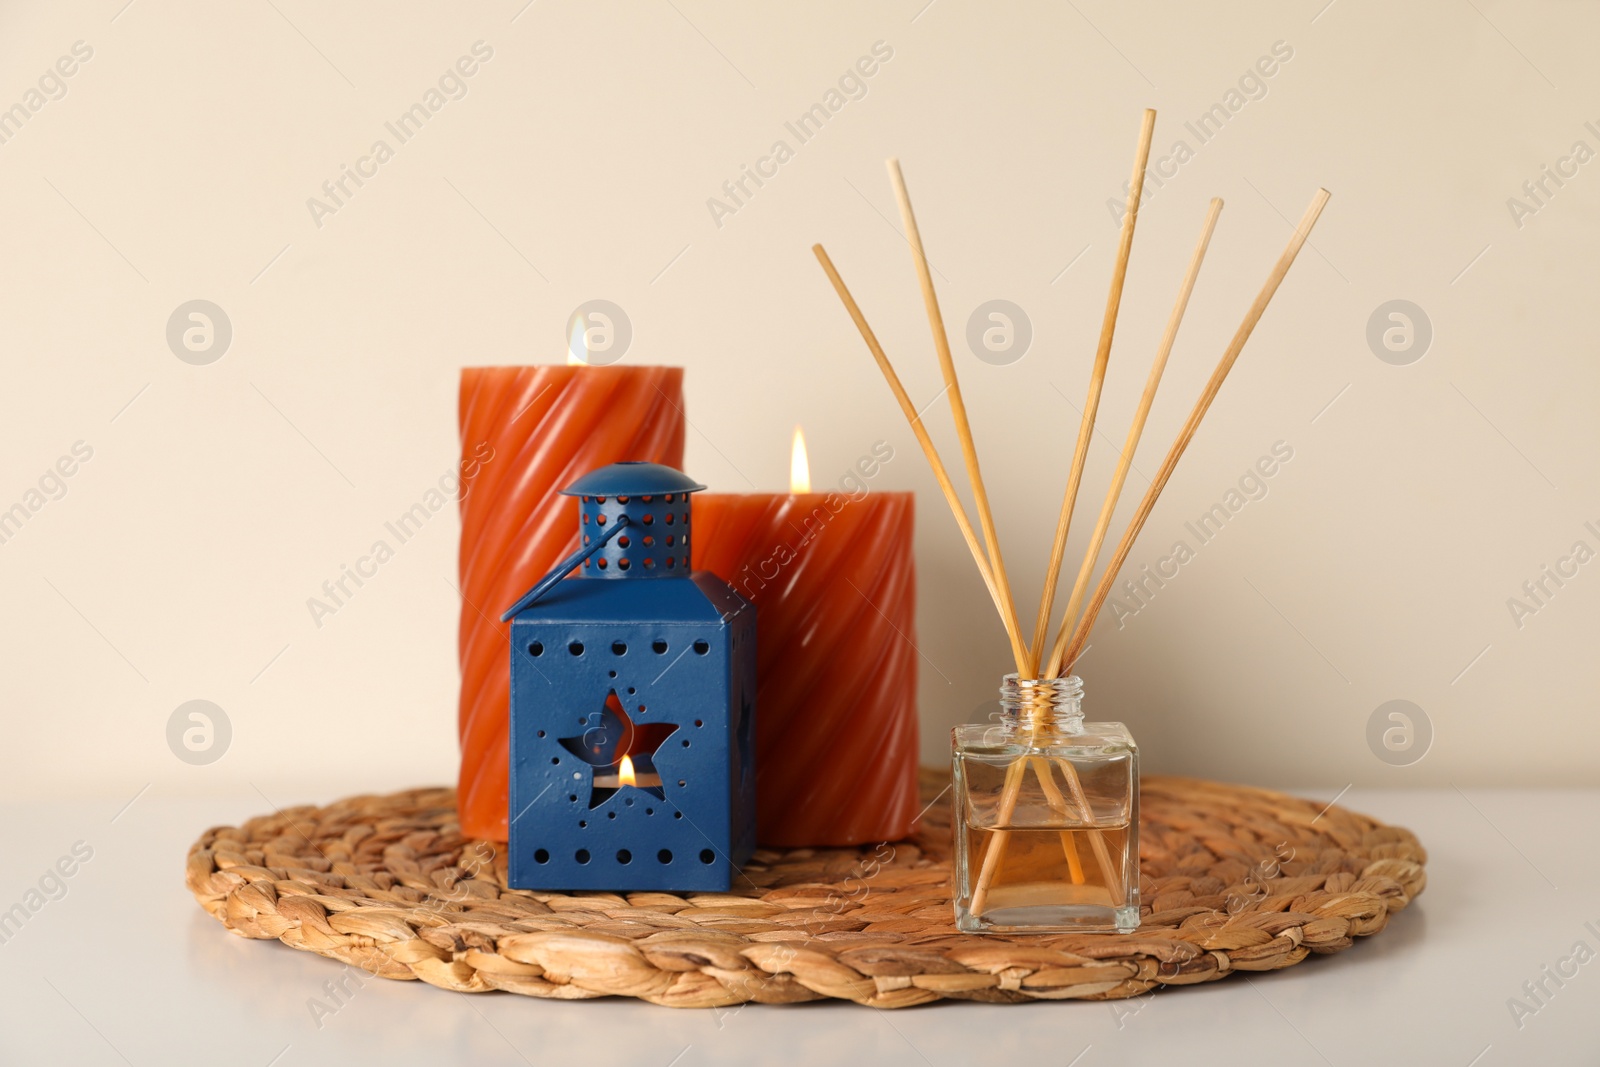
1232, 879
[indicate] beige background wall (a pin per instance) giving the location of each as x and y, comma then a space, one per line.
178, 160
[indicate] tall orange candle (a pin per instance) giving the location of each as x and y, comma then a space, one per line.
834, 583
531, 431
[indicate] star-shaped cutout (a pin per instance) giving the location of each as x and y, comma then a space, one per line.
616, 749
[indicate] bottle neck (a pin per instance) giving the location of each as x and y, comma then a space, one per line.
1054, 704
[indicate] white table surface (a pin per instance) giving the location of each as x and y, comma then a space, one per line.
126, 968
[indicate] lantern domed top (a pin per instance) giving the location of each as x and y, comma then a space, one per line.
633, 522
633, 478
635, 518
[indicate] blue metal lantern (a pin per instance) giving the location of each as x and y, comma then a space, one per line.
632, 703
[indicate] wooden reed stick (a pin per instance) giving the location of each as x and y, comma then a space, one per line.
1080, 587
1019, 651
958, 406
999, 837
1096, 837
1108, 327
1097, 840
1058, 803
1081, 633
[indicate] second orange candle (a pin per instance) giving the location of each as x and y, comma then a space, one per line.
833, 579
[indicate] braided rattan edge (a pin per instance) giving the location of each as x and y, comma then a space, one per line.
1232, 878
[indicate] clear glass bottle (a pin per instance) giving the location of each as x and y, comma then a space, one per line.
1046, 816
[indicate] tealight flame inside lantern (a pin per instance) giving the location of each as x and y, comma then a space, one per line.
625, 775
799, 466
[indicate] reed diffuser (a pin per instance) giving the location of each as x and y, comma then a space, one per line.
1047, 814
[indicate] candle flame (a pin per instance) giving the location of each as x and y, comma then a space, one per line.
577, 342
625, 775
799, 466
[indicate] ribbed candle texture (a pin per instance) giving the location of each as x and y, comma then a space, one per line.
834, 585
546, 426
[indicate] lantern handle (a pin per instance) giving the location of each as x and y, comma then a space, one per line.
564, 568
